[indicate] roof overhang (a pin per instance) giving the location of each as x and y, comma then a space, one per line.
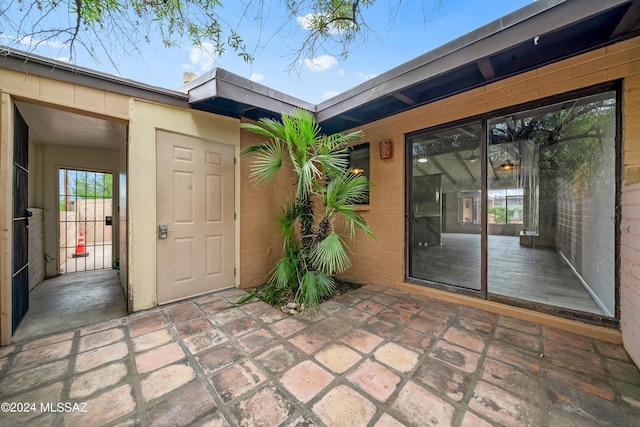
40, 66
222, 92
536, 35
541, 33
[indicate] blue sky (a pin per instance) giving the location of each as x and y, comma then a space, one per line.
418, 28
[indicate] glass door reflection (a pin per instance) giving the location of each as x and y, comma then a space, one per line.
445, 206
551, 205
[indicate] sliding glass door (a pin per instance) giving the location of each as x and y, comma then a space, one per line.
546, 196
445, 213
553, 241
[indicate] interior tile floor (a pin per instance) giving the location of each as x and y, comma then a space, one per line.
373, 357
532, 274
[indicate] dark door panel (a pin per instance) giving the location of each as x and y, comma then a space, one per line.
20, 258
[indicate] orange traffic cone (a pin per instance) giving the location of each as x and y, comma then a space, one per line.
80, 249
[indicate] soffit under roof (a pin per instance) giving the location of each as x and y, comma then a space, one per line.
541, 33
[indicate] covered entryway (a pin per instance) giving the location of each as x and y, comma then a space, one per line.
195, 212
57, 140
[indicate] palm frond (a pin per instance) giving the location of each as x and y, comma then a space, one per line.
291, 212
339, 140
330, 255
284, 274
308, 175
245, 298
347, 189
314, 286
258, 129
267, 162
353, 220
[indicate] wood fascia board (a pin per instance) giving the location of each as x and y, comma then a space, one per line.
223, 84
57, 70
485, 42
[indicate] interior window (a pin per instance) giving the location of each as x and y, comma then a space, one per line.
359, 159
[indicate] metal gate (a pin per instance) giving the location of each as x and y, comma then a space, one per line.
86, 236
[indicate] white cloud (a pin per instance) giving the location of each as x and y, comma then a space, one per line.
202, 56
63, 58
366, 77
341, 72
256, 77
321, 63
31, 42
329, 94
305, 22
55, 43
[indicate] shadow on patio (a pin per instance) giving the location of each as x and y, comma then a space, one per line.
375, 357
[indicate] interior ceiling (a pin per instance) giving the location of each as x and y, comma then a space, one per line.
58, 127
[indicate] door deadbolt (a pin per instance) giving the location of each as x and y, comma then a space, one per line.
163, 229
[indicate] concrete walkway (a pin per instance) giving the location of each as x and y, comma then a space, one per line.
72, 301
375, 357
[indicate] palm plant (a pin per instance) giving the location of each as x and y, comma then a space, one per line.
325, 190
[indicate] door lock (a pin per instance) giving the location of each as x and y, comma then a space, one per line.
163, 229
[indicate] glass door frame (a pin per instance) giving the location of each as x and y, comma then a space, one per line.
483, 120
482, 293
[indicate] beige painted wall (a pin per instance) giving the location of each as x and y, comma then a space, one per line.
56, 94
42, 91
383, 261
6, 211
146, 117
123, 244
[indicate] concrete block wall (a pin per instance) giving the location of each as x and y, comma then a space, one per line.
383, 261
260, 238
630, 223
630, 271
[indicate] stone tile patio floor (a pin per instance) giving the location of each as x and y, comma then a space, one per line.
374, 357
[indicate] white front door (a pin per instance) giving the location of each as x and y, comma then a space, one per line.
195, 205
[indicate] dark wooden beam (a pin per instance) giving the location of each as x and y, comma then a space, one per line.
350, 118
403, 98
464, 165
629, 21
486, 68
443, 170
247, 108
